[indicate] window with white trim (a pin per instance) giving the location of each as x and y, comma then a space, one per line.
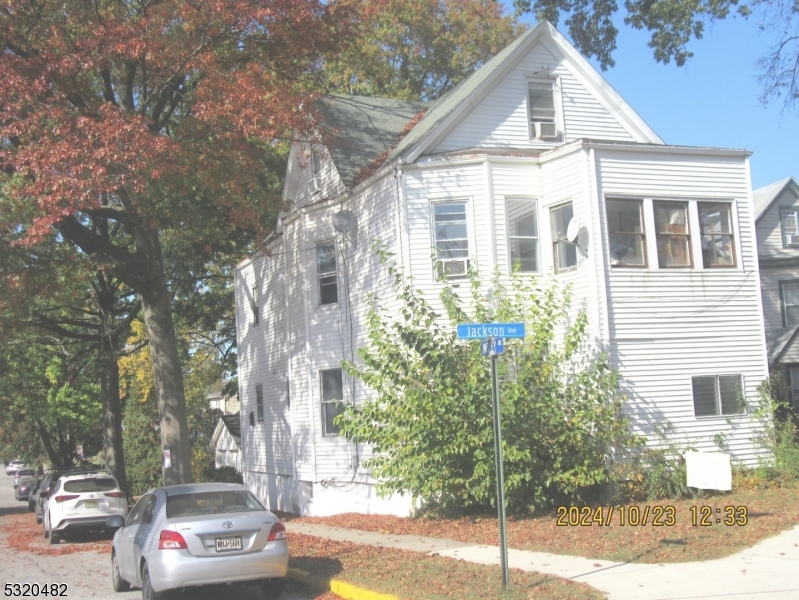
789, 292
259, 401
626, 239
315, 185
326, 274
716, 395
255, 305
715, 234
565, 252
672, 234
332, 399
523, 235
451, 239
541, 109
793, 374
789, 223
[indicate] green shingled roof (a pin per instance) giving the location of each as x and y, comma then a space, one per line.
363, 129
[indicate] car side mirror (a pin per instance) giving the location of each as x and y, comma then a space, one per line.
115, 522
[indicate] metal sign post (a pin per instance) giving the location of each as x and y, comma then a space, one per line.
492, 336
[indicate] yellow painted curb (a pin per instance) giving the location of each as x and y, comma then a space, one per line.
340, 588
351, 592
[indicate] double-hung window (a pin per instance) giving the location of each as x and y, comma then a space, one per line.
451, 233
671, 234
332, 396
793, 374
626, 233
259, 401
789, 290
326, 276
715, 224
315, 185
541, 109
564, 251
718, 395
789, 223
255, 305
523, 235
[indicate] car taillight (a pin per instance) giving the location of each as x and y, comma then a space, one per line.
171, 540
115, 494
66, 497
278, 532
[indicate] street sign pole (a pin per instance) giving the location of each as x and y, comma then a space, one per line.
503, 537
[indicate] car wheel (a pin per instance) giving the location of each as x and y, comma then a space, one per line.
120, 585
38, 517
54, 537
147, 591
272, 589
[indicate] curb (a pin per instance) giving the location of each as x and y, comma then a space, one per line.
338, 587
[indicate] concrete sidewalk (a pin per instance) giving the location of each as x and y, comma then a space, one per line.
767, 571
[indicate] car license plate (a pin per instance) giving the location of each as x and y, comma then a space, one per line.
228, 544
90, 504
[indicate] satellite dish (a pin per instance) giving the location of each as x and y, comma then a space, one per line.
573, 230
344, 221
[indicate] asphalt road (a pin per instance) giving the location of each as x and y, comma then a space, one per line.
86, 573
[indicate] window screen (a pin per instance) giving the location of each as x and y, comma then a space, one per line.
542, 101
332, 396
565, 252
717, 395
523, 235
259, 401
451, 235
671, 232
626, 233
715, 224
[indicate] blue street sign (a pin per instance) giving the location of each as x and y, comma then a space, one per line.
492, 346
481, 331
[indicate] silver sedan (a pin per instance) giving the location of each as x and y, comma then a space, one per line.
198, 534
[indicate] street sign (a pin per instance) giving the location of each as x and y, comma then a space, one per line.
481, 331
492, 346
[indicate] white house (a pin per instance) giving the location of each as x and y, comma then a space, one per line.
491, 175
226, 443
777, 229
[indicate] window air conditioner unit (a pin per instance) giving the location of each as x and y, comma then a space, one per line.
545, 131
315, 186
792, 240
454, 267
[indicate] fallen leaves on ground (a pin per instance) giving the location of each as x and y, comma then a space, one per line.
417, 576
20, 533
768, 513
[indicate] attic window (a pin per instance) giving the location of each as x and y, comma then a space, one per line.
541, 109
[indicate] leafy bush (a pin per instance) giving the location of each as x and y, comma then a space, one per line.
431, 422
779, 437
141, 441
222, 475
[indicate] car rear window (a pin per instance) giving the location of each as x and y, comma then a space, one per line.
90, 484
24, 472
211, 503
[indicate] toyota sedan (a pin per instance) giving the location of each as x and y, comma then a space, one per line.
198, 534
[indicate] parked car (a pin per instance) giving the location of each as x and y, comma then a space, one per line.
48, 483
33, 494
23, 489
23, 473
198, 534
14, 466
80, 501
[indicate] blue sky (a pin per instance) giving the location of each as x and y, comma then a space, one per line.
711, 101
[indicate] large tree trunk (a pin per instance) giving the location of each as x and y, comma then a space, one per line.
112, 419
157, 311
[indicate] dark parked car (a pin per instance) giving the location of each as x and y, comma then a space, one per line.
34, 494
23, 489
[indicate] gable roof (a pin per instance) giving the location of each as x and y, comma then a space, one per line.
765, 197
364, 129
230, 422
458, 101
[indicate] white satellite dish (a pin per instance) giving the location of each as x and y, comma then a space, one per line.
346, 223
573, 230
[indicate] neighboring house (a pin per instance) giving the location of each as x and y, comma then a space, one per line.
220, 401
777, 227
226, 443
490, 176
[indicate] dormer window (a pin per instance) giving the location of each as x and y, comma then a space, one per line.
315, 185
541, 109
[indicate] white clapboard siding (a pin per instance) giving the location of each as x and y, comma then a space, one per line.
770, 279
331, 183
500, 119
769, 232
667, 326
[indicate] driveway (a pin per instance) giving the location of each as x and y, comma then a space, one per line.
83, 564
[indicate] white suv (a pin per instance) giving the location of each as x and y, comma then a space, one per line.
14, 466
82, 501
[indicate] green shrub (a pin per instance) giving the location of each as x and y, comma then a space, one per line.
222, 475
431, 422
